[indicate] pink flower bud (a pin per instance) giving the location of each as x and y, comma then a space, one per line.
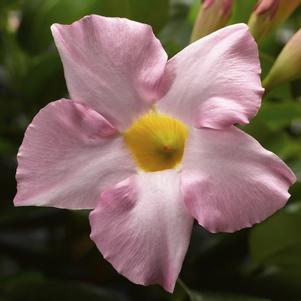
266, 7
213, 14
288, 64
13, 21
268, 14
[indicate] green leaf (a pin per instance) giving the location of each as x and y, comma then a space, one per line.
39, 88
153, 12
6, 147
194, 296
7, 4
296, 189
182, 290
176, 34
39, 15
266, 62
296, 166
280, 115
275, 247
37, 288
242, 11
277, 241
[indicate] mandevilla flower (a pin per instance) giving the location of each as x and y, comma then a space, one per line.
213, 15
268, 14
287, 65
150, 144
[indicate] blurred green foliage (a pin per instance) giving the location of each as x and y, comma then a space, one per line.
46, 254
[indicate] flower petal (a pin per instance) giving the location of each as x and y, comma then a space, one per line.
69, 154
142, 227
230, 181
216, 80
113, 64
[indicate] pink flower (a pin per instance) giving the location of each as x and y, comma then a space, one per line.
150, 144
268, 14
287, 66
212, 15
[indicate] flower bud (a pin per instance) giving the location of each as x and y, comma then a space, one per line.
268, 14
288, 64
213, 14
14, 20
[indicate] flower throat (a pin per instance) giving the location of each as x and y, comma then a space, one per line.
156, 141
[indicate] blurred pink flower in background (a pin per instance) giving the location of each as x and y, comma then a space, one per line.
213, 15
287, 66
268, 14
150, 144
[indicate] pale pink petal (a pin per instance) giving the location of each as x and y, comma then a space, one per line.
216, 80
142, 227
230, 181
115, 65
69, 154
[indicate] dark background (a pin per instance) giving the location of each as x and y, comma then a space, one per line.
46, 254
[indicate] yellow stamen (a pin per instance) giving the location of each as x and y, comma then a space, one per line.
156, 141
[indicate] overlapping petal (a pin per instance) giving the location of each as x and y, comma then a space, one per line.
216, 80
142, 227
230, 181
115, 65
70, 153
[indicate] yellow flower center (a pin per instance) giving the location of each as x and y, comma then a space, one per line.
156, 141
